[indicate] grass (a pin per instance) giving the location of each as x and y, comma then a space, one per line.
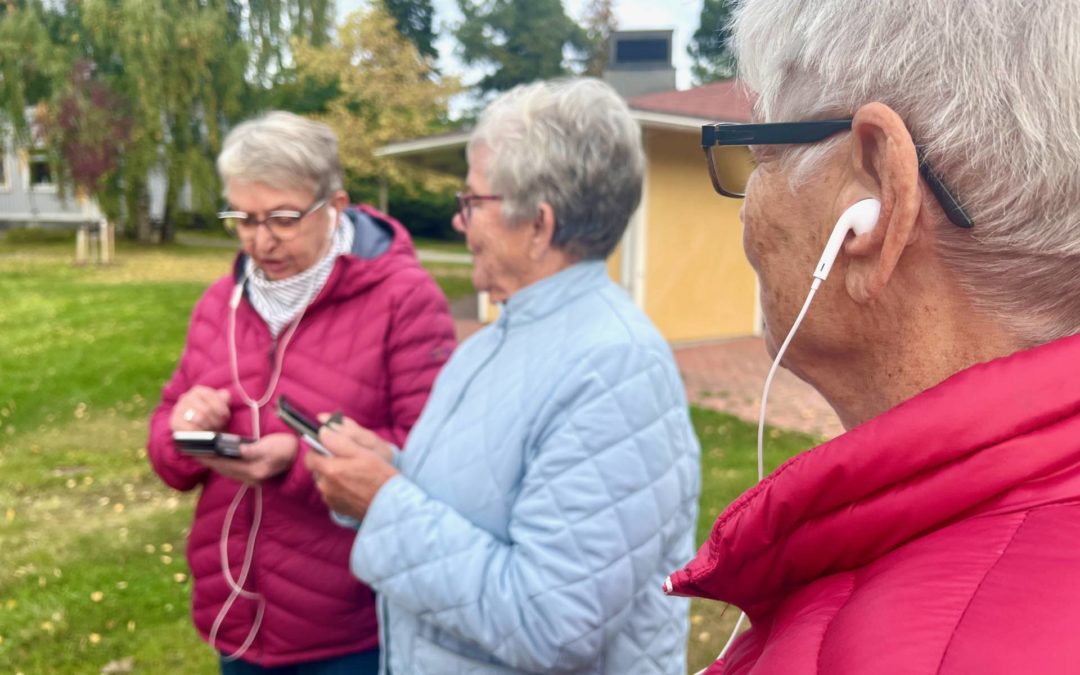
92, 568
443, 245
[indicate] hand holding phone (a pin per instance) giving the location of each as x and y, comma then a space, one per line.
302, 424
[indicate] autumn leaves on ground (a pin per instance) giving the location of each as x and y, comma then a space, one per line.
92, 571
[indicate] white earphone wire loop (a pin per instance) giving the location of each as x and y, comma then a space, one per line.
236, 586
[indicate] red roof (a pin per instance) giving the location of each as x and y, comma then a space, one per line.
727, 100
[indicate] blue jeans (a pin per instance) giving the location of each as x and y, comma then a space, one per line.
363, 663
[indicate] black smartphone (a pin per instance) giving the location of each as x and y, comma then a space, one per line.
302, 423
210, 443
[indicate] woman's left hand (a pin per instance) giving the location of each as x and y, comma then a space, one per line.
267, 457
360, 466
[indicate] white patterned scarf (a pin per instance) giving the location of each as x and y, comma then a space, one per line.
279, 302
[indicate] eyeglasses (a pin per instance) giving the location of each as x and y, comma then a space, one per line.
465, 203
283, 224
730, 162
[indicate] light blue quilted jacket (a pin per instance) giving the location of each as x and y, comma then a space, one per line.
547, 490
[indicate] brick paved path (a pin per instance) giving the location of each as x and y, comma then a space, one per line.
729, 375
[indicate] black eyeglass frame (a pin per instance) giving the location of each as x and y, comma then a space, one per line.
790, 133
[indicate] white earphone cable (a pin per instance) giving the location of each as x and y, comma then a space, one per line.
236, 586
761, 433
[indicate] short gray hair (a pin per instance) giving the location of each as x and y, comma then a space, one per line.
988, 88
284, 151
570, 143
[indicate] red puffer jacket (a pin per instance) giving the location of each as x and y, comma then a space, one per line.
370, 345
940, 537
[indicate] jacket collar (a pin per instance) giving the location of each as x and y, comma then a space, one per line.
977, 443
543, 297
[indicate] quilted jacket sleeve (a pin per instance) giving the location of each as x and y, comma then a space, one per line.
421, 340
585, 533
177, 470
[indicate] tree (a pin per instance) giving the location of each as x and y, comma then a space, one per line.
415, 21
29, 63
179, 65
88, 129
386, 91
600, 23
129, 89
709, 48
520, 40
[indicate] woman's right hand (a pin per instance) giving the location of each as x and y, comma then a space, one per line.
201, 409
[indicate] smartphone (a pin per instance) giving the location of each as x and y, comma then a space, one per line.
210, 443
302, 423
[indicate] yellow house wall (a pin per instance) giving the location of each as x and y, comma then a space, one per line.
698, 284
614, 265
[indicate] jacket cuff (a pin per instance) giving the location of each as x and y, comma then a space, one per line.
348, 522
372, 558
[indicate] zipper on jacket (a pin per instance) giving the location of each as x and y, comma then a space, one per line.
271, 356
382, 612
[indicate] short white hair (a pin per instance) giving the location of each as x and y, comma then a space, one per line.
989, 89
284, 151
573, 144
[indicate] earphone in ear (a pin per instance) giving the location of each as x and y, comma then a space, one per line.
860, 218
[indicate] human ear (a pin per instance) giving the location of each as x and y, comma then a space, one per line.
883, 165
543, 231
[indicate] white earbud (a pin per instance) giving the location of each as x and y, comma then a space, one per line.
860, 218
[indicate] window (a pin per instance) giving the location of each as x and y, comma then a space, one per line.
642, 50
41, 177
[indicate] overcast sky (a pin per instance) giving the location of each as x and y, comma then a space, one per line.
680, 15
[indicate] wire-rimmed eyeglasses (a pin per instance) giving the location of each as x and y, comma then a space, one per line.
730, 162
283, 224
465, 204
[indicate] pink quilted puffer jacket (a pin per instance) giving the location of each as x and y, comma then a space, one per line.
370, 345
940, 537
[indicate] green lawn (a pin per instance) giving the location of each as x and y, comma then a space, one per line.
92, 567
441, 245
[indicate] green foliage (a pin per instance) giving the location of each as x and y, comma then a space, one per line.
385, 91
709, 48
414, 20
30, 62
303, 94
127, 88
425, 212
521, 40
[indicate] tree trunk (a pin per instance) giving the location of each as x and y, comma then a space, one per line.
144, 229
